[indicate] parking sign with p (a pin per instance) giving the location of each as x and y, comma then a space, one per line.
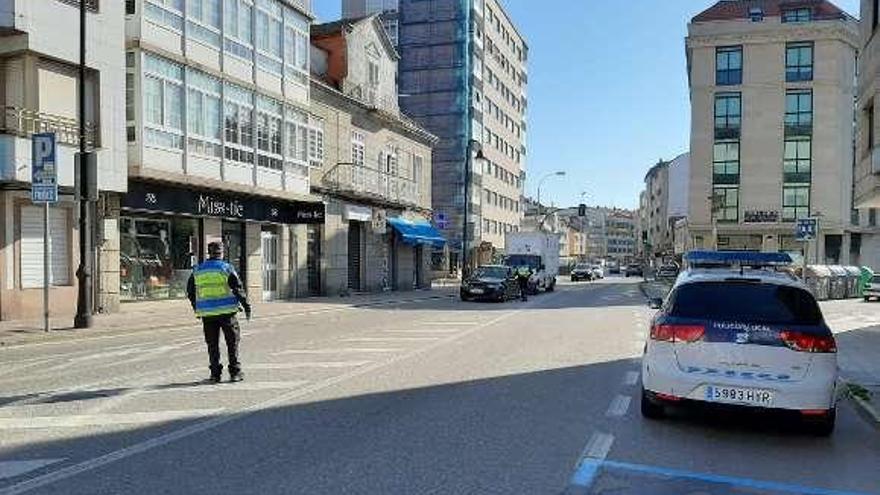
44, 174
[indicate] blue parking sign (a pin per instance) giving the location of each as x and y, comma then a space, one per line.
44, 173
806, 229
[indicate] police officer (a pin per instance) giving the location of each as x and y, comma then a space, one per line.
523, 275
215, 292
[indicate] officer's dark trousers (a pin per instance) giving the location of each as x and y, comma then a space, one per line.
231, 334
523, 289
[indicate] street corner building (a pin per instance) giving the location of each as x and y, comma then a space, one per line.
772, 85
39, 89
376, 173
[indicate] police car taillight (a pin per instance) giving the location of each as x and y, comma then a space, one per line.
677, 333
804, 342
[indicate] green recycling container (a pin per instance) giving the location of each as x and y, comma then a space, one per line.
865, 279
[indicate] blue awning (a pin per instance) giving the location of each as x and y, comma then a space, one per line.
415, 233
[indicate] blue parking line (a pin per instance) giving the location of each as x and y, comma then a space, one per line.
589, 469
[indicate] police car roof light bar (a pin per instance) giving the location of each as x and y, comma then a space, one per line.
717, 259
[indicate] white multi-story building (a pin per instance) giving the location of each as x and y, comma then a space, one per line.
39, 91
220, 144
772, 85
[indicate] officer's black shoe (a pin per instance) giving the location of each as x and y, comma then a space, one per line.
215, 379
236, 377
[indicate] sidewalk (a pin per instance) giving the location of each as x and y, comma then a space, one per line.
153, 315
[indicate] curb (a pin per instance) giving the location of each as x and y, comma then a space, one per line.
866, 409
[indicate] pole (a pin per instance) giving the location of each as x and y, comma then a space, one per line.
467, 200
46, 266
83, 317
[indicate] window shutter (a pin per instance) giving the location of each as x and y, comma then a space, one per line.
32, 247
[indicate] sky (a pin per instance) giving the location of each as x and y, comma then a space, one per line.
608, 94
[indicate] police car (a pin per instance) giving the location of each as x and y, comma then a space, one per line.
736, 331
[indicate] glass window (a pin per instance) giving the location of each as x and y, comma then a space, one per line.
798, 109
797, 15
268, 36
239, 124
797, 160
204, 110
799, 62
795, 202
165, 13
163, 102
156, 257
203, 21
269, 133
725, 202
725, 162
728, 65
728, 108
746, 301
239, 34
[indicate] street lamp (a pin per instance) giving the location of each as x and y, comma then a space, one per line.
560, 173
474, 153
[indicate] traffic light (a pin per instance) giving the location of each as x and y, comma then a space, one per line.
582, 210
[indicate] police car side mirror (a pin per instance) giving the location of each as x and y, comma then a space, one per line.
655, 303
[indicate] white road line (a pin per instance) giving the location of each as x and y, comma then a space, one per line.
234, 414
598, 446
78, 421
618, 406
346, 350
426, 330
631, 378
245, 386
293, 366
11, 469
443, 323
392, 339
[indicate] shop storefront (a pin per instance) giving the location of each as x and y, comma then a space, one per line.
165, 230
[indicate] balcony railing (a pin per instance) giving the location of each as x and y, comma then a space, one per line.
25, 123
366, 182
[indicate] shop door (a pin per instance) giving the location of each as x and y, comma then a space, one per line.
392, 261
355, 247
417, 266
313, 259
233, 242
270, 265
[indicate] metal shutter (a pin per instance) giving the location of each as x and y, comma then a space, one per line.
32, 247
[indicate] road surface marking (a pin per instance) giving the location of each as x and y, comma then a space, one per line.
732, 481
631, 378
346, 350
292, 366
392, 339
426, 330
588, 465
77, 421
245, 386
11, 469
236, 414
618, 406
443, 323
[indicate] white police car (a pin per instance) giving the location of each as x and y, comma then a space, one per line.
734, 331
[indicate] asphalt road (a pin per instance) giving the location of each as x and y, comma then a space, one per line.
428, 397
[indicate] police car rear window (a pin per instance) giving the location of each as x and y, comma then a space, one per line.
746, 302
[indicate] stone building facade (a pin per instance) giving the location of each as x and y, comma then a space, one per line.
376, 177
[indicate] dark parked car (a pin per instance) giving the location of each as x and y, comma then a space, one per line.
667, 272
581, 271
634, 270
490, 283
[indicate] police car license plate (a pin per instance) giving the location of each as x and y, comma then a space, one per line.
739, 395
477, 291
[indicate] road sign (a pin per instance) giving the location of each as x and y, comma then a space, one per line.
441, 220
44, 173
806, 229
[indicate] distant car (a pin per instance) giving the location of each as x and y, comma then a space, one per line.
633, 270
753, 339
490, 283
598, 272
581, 271
614, 269
872, 291
667, 272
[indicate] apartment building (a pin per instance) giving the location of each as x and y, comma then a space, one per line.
463, 75
867, 170
620, 229
772, 90
39, 91
376, 176
656, 239
220, 146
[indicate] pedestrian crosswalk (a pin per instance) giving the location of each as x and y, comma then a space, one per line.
11, 469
